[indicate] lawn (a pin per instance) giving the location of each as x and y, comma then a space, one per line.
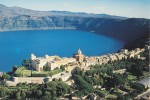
132, 78
46, 73
23, 71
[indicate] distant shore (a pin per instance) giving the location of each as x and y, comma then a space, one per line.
48, 28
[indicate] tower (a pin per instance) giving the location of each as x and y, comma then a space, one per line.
79, 56
79, 52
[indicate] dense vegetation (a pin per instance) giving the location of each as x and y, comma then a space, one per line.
48, 91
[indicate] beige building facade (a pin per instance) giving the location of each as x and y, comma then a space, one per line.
49, 61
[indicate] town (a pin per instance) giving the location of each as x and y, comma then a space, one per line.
42, 70
78, 60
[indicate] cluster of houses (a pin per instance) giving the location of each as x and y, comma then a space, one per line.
77, 60
123, 54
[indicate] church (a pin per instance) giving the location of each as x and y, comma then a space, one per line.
79, 56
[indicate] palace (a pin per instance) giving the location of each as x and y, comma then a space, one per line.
54, 61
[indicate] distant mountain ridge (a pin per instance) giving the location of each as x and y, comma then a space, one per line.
15, 11
121, 28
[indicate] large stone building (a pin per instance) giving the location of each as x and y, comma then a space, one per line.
49, 61
54, 61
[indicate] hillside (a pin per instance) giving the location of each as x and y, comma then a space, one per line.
139, 43
17, 11
122, 28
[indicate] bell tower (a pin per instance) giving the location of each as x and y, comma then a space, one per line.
79, 56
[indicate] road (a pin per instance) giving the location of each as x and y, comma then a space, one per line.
145, 81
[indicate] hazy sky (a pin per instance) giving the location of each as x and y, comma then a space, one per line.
129, 8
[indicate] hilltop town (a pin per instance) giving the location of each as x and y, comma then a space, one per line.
32, 31
41, 70
78, 60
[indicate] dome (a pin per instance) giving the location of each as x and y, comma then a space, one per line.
33, 56
46, 56
79, 52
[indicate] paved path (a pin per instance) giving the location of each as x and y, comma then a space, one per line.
145, 81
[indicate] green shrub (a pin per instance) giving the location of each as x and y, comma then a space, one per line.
62, 68
40, 75
100, 93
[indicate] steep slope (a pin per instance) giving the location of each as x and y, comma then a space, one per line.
126, 30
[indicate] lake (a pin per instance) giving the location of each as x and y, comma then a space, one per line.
18, 45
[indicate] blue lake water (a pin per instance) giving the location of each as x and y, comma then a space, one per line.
15, 46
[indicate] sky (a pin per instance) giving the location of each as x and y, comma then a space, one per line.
128, 8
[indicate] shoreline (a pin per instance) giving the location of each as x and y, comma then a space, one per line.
105, 58
48, 28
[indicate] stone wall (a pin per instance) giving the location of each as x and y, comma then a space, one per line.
63, 75
38, 80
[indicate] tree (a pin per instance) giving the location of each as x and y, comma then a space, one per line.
14, 68
51, 85
18, 97
89, 72
62, 68
76, 70
118, 79
62, 88
23, 95
3, 91
138, 86
120, 97
82, 85
136, 70
39, 93
60, 79
47, 96
100, 93
6, 76
88, 79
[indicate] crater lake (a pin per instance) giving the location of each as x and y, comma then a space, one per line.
18, 45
